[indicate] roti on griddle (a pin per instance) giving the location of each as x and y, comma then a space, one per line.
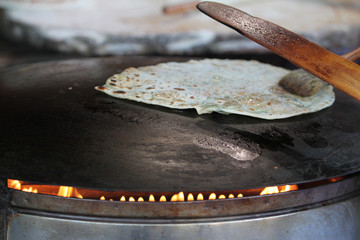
213, 85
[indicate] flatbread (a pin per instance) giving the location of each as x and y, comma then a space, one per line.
213, 85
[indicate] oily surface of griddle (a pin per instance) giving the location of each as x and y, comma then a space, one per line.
57, 129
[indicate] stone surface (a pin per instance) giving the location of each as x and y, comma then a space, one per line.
140, 27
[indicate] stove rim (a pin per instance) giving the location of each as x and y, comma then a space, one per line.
280, 203
184, 220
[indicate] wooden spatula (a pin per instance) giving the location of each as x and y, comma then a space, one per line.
336, 70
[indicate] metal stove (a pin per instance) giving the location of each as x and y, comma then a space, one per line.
57, 130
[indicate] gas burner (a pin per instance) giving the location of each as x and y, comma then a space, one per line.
103, 167
318, 209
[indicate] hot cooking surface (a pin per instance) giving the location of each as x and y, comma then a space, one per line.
56, 129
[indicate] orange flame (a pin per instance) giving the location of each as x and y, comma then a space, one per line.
178, 197
66, 191
212, 196
269, 190
277, 189
190, 197
16, 184
151, 198
174, 198
288, 188
181, 197
222, 196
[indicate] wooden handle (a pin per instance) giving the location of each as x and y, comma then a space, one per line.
353, 55
180, 8
345, 76
334, 69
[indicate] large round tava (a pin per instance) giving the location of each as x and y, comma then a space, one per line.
56, 129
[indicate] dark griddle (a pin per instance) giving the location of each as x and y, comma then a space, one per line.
56, 129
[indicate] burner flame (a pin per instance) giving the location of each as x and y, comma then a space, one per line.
212, 196
30, 189
151, 198
277, 189
190, 197
15, 184
69, 192
122, 196
269, 190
